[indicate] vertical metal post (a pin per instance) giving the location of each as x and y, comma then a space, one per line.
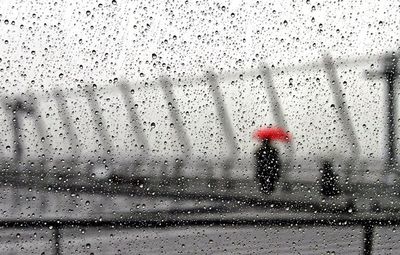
100, 125
41, 130
279, 118
368, 237
344, 118
226, 125
178, 124
16, 130
134, 118
17, 134
68, 126
16, 108
57, 241
3, 106
136, 125
391, 74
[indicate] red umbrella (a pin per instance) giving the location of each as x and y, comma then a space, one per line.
272, 133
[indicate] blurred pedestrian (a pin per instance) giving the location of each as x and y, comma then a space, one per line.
268, 163
268, 166
329, 180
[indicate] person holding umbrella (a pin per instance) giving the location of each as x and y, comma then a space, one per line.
268, 163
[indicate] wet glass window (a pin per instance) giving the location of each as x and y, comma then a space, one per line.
196, 127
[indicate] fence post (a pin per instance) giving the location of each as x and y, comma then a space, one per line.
368, 236
57, 241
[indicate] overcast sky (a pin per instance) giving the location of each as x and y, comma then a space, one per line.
70, 44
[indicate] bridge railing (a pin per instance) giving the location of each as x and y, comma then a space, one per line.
367, 222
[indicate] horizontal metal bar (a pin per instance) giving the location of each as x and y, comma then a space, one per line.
332, 220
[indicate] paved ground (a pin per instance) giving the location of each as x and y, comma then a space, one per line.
173, 240
202, 240
25, 203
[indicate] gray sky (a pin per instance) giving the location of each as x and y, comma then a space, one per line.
69, 44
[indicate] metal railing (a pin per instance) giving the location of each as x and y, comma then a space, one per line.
367, 222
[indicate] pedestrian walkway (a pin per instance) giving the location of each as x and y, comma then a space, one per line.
189, 195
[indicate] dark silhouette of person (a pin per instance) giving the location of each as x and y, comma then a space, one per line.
268, 166
329, 180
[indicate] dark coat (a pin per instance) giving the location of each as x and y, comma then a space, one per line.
268, 166
329, 180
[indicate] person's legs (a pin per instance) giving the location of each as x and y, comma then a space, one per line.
267, 184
